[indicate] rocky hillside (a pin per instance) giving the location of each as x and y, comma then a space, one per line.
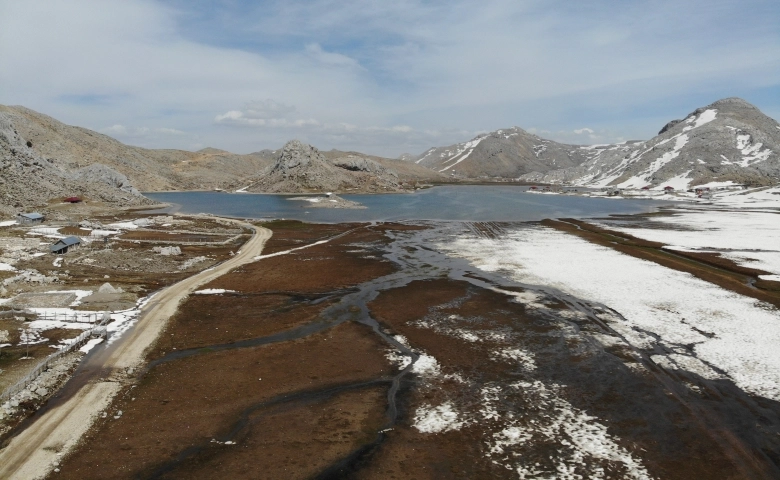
29, 180
727, 141
504, 153
72, 148
302, 168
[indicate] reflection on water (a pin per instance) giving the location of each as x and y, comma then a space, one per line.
463, 202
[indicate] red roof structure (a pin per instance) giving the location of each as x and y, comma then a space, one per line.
73, 200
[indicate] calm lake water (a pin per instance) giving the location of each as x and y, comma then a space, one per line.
462, 202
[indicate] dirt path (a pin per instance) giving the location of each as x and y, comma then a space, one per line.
36, 450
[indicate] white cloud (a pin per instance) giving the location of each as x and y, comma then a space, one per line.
365, 74
580, 131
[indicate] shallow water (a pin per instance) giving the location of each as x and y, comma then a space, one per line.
462, 202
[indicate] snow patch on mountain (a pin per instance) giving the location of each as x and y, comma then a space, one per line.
470, 146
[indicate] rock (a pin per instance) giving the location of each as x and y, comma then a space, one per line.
668, 126
41, 391
174, 250
99, 173
360, 164
107, 288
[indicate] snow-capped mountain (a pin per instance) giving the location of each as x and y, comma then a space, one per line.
506, 153
727, 141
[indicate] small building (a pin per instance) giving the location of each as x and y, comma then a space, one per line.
72, 200
668, 189
30, 218
62, 245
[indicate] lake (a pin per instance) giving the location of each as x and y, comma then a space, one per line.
453, 202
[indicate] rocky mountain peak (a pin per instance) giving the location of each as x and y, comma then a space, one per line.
730, 102
298, 154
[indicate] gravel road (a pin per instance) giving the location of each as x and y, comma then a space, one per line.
35, 451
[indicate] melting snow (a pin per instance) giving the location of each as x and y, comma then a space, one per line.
470, 146
92, 343
212, 291
429, 419
742, 333
581, 440
705, 117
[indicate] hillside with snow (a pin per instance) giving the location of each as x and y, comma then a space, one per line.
507, 153
727, 142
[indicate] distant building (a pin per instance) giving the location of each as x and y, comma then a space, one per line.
29, 218
668, 189
73, 200
62, 245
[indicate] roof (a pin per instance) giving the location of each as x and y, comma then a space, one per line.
68, 241
31, 216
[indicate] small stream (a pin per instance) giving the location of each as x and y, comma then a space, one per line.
415, 262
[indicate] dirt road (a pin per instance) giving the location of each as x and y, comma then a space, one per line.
35, 451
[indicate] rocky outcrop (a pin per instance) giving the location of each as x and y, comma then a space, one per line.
301, 168
99, 173
29, 180
361, 164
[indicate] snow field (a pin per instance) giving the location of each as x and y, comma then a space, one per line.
673, 305
750, 238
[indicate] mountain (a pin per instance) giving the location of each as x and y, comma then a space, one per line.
70, 148
302, 168
727, 141
506, 153
29, 180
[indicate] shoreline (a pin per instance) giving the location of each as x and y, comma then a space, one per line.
726, 274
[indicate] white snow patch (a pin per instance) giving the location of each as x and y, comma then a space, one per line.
773, 278
123, 225
470, 146
430, 419
524, 358
4, 267
680, 182
91, 343
426, 366
212, 291
705, 117
7, 223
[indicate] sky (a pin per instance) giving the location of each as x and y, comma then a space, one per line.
383, 77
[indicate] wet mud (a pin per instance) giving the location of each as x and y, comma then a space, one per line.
374, 355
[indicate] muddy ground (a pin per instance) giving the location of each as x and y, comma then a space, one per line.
375, 356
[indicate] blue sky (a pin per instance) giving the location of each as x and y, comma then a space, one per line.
383, 77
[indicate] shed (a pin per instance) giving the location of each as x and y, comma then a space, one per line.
668, 188
27, 218
72, 200
64, 244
